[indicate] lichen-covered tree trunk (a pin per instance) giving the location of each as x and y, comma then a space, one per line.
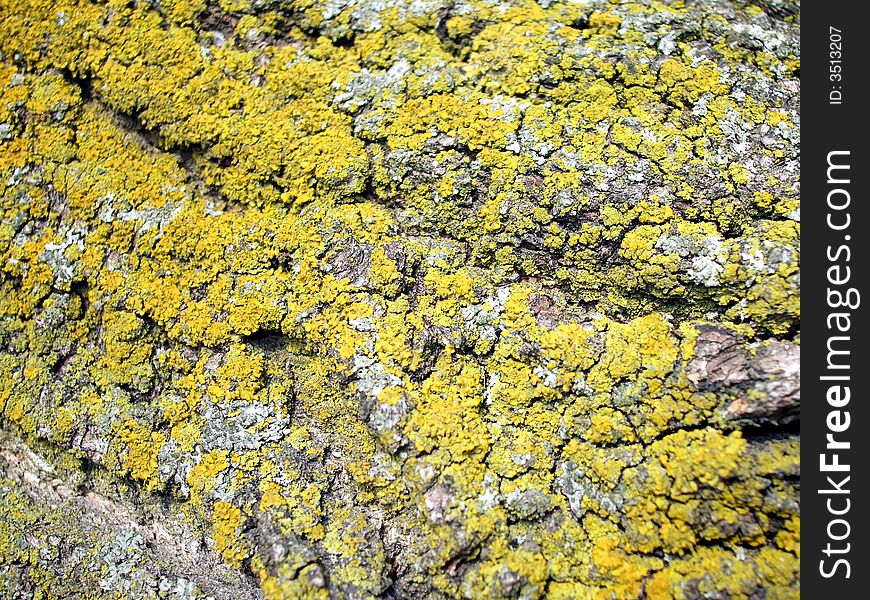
399, 299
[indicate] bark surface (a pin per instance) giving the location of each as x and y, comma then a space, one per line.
399, 299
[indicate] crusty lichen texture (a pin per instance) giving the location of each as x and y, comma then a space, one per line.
399, 299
